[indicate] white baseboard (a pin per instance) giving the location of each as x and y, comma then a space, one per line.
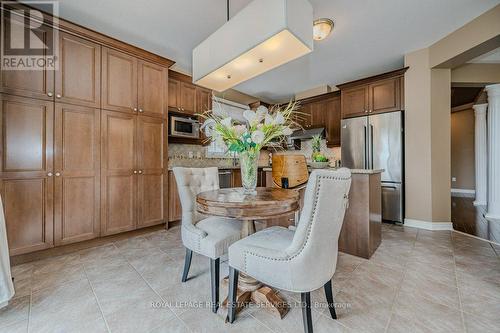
479, 238
428, 225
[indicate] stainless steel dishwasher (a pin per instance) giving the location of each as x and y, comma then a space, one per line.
225, 178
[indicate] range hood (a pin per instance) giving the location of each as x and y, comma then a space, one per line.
305, 134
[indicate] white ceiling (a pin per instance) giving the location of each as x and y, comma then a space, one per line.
492, 57
370, 36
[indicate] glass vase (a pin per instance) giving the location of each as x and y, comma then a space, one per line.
249, 166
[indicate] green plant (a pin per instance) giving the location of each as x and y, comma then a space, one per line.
316, 143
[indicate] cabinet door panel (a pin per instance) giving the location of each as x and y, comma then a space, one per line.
354, 101
188, 98
119, 184
204, 100
318, 114
77, 159
174, 93
333, 122
28, 214
78, 79
385, 95
152, 89
119, 76
152, 155
29, 83
174, 202
27, 190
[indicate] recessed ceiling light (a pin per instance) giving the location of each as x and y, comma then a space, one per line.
322, 28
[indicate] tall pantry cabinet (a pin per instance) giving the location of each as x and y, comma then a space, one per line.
84, 148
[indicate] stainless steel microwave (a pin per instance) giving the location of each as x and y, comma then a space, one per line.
184, 127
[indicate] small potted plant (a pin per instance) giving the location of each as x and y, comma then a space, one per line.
318, 160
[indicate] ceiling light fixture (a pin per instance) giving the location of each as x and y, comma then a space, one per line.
322, 28
275, 30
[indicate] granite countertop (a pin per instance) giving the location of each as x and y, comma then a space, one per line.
353, 171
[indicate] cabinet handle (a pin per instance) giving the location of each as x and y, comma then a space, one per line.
370, 111
141, 110
58, 174
135, 171
49, 174
135, 109
140, 172
366, 111
58, 96
49, 94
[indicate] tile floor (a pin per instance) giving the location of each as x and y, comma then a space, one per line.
417, 281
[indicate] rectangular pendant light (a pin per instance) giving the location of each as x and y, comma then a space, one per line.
262, 36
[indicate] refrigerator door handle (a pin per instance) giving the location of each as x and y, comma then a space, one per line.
366, 146
371, 146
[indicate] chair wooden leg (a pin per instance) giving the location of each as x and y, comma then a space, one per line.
214, 280
329, 299
187, 264
306, 312
233, 290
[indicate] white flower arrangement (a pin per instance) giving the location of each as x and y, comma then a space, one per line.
261, 126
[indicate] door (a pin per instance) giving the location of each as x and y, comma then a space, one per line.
152, 89
385, 96
36, 83
78, 80
77, 181
387, 145
174, 94
119, 81
354, 134
354, 101
26, 169
119, 182
318, 114
188, 98
152, 160
333, 122
174, 202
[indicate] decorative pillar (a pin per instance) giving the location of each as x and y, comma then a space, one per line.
493, 152
481, 152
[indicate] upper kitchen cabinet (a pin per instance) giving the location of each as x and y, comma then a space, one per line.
333, 122
29, 83
133, 85
152, 89
378, 94
185, 97
318, 114
119, 81
78, 80
203, 100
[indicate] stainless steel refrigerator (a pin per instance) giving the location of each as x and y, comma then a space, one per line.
376, 142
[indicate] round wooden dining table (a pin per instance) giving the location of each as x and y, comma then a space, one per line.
266, 203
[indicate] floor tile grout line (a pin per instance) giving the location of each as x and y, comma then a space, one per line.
96, 299
458, 290
158, 294
405, 269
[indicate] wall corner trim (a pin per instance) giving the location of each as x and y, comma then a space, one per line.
426, 225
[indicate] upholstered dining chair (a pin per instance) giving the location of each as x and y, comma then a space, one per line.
209, 236
300, 261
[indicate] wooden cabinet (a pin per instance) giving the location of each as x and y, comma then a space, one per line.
26, 171
77, 173
318, 114
378, 94
203, 100
29, 83
152, 160
236, 178
333, 122
78, 80
133, 161
174, 202
118, 163
174, 94
132, 85
355, 101
119, 81
152, 89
